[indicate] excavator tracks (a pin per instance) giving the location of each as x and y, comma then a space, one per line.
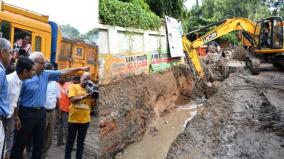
253, 64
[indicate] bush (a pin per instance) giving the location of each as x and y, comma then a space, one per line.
127, 14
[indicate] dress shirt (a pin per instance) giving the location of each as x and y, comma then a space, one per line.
4, 103
14, 88
33, 92
52, 94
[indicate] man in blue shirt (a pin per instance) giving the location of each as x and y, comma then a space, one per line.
30, 115
5, 57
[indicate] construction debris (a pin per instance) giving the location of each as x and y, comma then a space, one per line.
244, 119
128, 106
241, 116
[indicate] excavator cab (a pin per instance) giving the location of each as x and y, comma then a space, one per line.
269, 34
265, 38
268, 44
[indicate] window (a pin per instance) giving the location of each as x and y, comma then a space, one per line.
22, 42
66, 51
265, 34
258, 37
37, 43
20, 34
277, 36
91, 57
5, 30
79, 51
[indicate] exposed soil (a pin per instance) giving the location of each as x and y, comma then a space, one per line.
128, 106
159, 136
244, 119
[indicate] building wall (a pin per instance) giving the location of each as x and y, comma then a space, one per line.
125, 52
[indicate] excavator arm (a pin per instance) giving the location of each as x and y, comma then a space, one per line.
190, 47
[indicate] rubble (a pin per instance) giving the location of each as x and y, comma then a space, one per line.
239, 121
242, 116
128, 106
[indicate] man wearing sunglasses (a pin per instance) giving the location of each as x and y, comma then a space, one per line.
30, 115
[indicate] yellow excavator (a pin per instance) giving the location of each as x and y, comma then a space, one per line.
265, 37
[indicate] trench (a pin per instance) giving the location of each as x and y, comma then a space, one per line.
160, 135
141, 116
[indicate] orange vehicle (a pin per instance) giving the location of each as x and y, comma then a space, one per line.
16, 23
77, 53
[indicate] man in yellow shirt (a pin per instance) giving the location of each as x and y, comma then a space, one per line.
79, 116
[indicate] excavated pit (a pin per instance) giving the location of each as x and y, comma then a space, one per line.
242, 117
243, 120
128, 106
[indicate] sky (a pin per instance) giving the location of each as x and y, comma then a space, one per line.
190, 3
82, 14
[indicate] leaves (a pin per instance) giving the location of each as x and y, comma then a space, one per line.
173, 8
131, 13
215, 10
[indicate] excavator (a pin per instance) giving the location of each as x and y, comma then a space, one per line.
265, 38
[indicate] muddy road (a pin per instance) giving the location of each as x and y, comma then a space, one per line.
243, 120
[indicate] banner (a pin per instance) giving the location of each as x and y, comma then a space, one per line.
174, 34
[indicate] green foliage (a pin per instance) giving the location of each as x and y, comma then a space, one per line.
231, 37
91, 36
141, 3
69, 31
219, 9
134, 13
173, 8
215, 10
281, 11
193, 20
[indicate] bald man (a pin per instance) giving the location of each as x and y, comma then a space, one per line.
79, 116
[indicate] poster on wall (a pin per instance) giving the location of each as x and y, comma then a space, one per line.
174, 34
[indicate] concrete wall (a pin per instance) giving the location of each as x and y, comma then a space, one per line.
126, 52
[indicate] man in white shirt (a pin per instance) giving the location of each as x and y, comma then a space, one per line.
52, 96
24, 70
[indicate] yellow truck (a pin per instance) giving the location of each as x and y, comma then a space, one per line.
16, 23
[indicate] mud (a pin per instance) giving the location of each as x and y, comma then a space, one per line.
159, 136
128, 106
244, 119
218, 68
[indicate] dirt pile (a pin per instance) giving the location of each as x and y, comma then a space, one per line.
217, 67
126, 107
239, 53
242, 120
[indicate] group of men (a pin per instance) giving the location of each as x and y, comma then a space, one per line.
28, 100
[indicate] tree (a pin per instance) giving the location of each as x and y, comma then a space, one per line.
91, 36
173, 8
215, 10
141, 3
220, 9
69, 31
